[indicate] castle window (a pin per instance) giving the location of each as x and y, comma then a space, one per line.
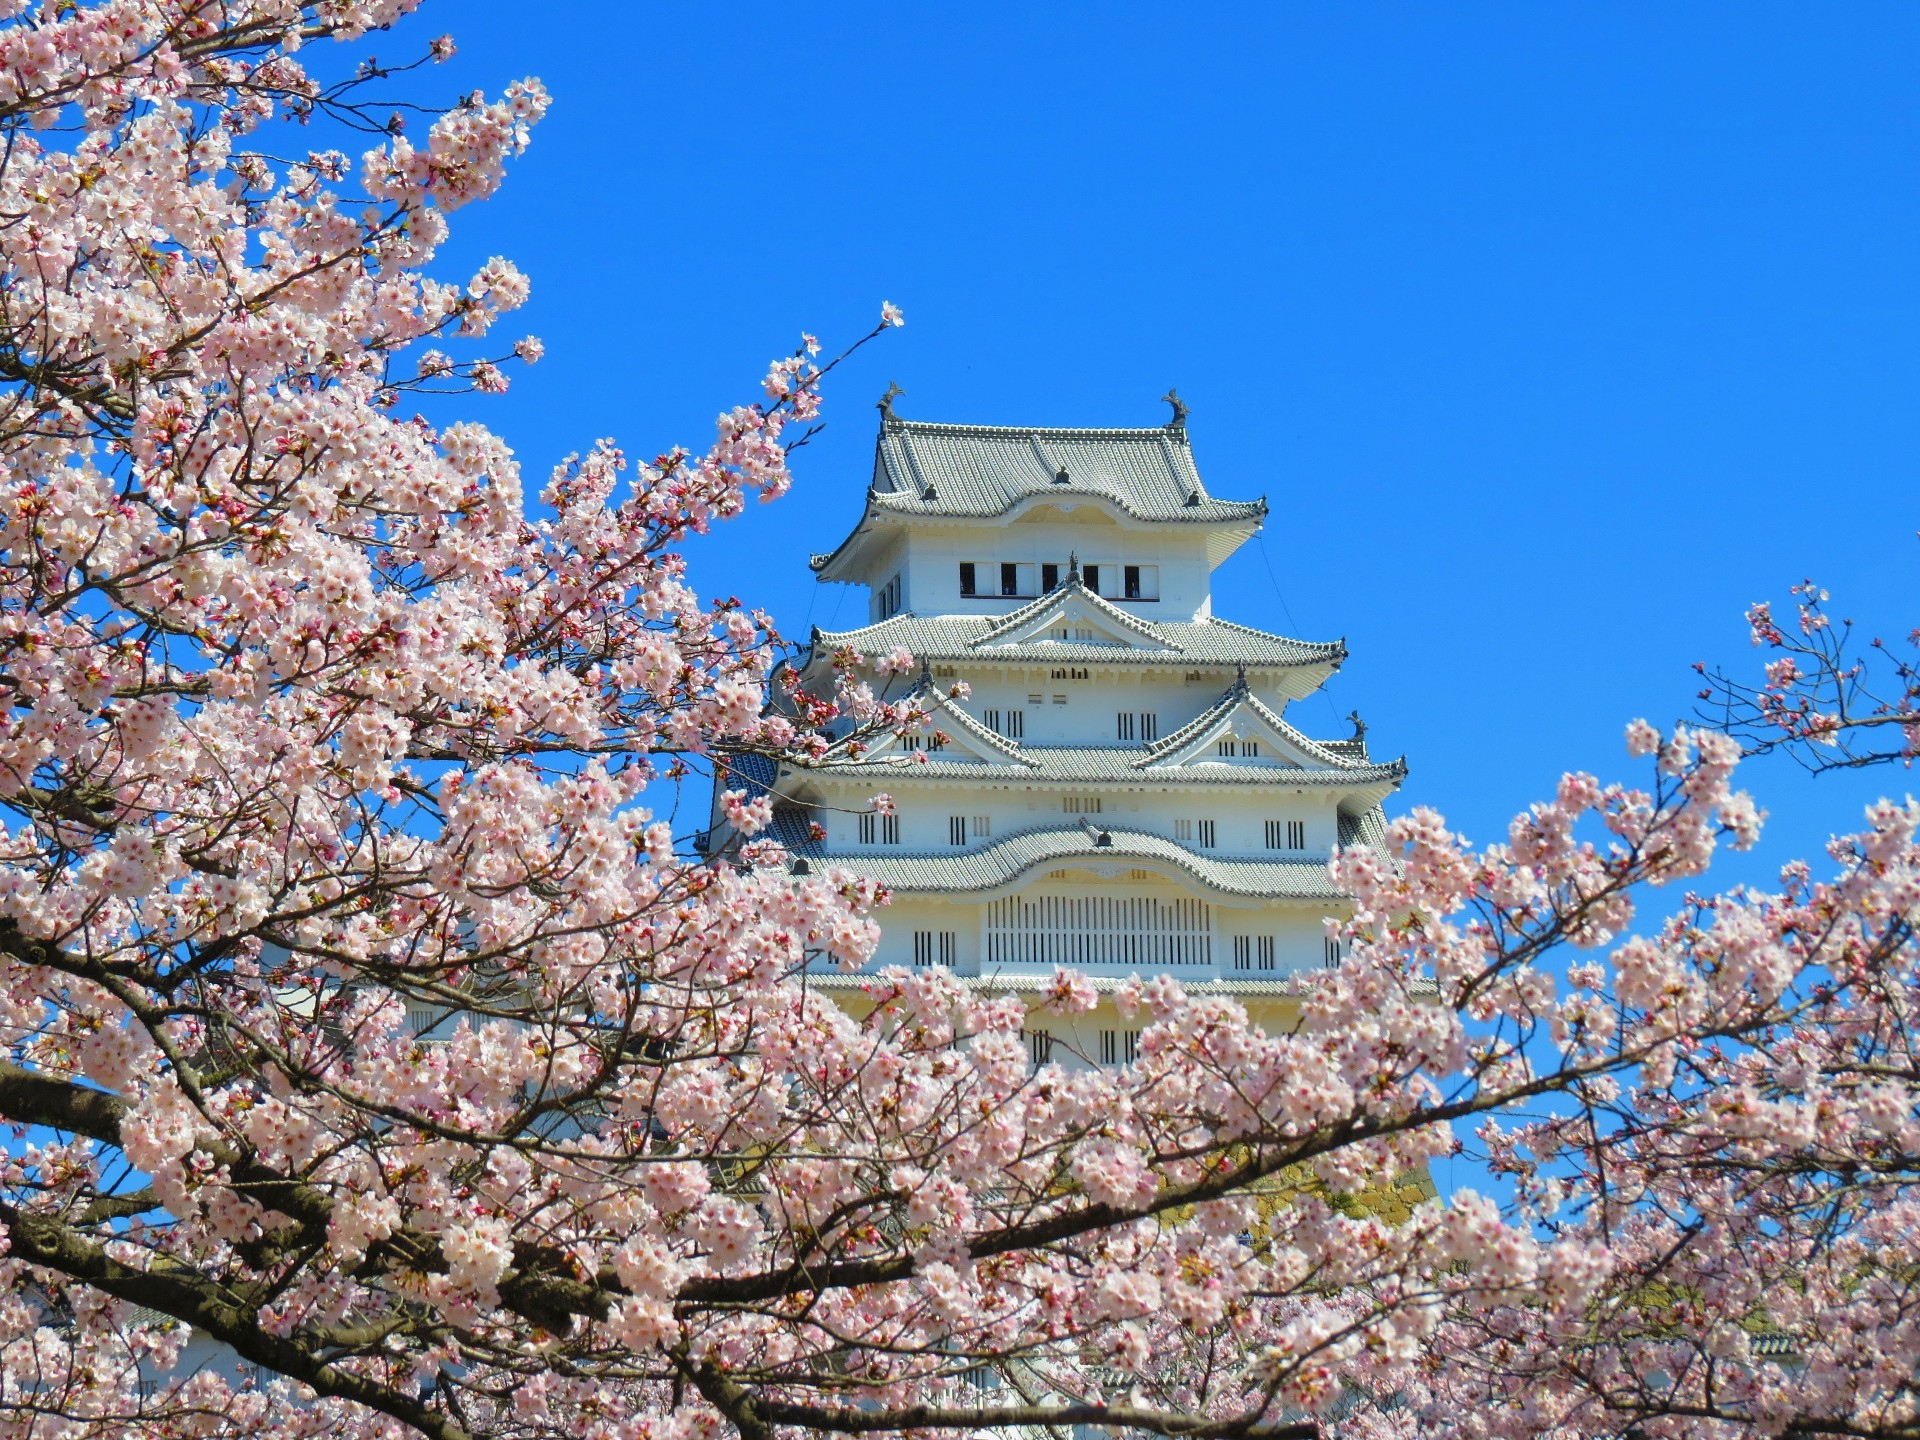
935, 947
877, 829
1010, 723
1091, 575
1140, 582
968, 578
1036, 699
1119, 1047
1039, 1045
1187, 828
1253, 952
956, 829
1286, 835
1049, 579
1125, 729
982, 826
887, 603
1141, 723
1332, 956
1080, 804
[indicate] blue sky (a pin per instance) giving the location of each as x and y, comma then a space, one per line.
1553, 335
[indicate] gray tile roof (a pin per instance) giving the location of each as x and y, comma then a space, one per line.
1011, 856
1076, 763
1209, 642
980, 471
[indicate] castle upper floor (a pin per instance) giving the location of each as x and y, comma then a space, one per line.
979, 520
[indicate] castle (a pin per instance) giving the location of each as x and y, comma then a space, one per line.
1117, 787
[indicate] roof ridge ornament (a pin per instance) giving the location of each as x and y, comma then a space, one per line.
1180, 411
1359, 725
1073, 566
894, 391
1061, 477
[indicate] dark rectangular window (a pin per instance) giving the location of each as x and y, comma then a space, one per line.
1009, 579
967, 577
1091, 574
1206, 834
1049, 578
1131, 576
957, 829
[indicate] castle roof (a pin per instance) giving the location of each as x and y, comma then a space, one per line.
1192, 643
1012, 856
1074, 764
979, 471
928, 471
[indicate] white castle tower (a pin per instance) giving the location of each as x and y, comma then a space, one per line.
1121, 791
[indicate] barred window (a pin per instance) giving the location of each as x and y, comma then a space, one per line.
1119, 1047
1253, 952
935, 947
1286, 834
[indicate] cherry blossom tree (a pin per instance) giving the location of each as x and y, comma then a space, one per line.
1824, 699
361, 1019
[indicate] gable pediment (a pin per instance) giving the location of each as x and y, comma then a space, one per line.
1074, 615
1238, 731
950, 734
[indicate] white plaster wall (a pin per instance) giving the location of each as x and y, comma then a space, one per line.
933, 556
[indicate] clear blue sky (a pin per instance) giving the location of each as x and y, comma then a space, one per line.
1553, 334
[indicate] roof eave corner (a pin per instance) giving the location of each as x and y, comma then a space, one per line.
830, 568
